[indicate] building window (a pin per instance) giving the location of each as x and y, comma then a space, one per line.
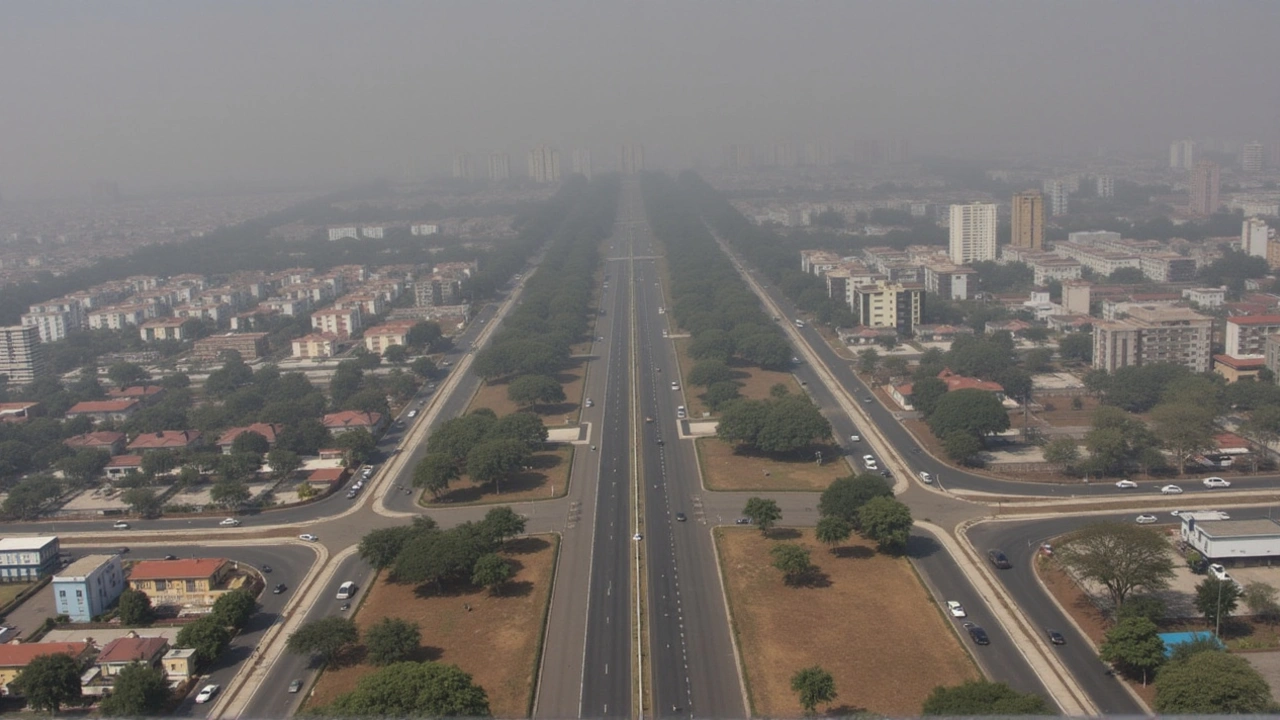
160, 585
62, 594
192, 586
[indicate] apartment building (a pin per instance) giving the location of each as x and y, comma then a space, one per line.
341, 322
544, 164
889, 305
817, 262
1056, 268
1102, 262
439, 289
1105, 186
23, 358
1206, 297
192, 582
343, 233
1247, 336
1058, 193
1028, 220
973, 233
499, 166
316, 345
53, 326
250, 345
424, 229
1154, 334
28, 559
1167, 267
1255, 236
948, 280
88, 586
171, 328
377, 339
1205, 184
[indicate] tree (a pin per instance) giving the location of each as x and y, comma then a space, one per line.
84, 466
158, 462
142, 500
741, 421
813, 685
238, 467
1134, 647
1217, 599
139, 691
382, 546
791, 423
491, 571
283, 462
867, 360
1261, 599
961, 446
1150, 607
326, 637
977, 412
709, 372
434, 472
391, 640
526, 428
529, 390
711, 345
410, 689
206, 636
1037, 360
395, 354
1077, 346
501, 523
234, 608
423, 367
359, 445
1062, 452
423, 334
1212, 683
763, 513
888, 522
1120, 557
493, 460
126, 374
832, 531
845, 496
976, 698
793, 561
894, 366
1184, 428
134, 608
721, 394
229, 493
49, 681
250, 442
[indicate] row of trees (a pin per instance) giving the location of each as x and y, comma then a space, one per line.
481, 445
782, 424
864, 504
422, 553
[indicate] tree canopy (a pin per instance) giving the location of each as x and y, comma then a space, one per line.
413, 689
1119, 556
976, 698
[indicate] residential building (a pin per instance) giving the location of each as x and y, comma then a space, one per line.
499, 166
179, 664
106, 440
105, 410
1105, 186
544, 164
424, 229
630, 159
1256, 236
948, 280
269, 431
1058, 194
901, 394
738, 156
27, 559
1206, 297
192, 582
378, 339
1182, 154
1028, 220
22, 357
71, 306
250, 346
1272, 355
1056, 268
119, 317
121, 652
340, 233
817, 262
439, 289
16, 412
1205, 183
582, 162
315, 345
341, 322
1167, 267
1247, 336
165, 440
346, 420
373, 232
1251, 156
84, 589
53, 326
168, 328
462, 166
1235, 369
973, 233
889, 305
1093, 237
123, 466
14, 658
1154, 334
145, 394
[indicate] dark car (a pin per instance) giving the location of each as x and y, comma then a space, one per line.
680, 517
266, 568
279, 589
123, 550
170, 557
978, 634
1055, 637
999, 559
743, 521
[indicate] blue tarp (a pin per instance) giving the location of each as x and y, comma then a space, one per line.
1174, 639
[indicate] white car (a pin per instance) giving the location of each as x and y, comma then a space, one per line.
120, 525
207, 693
413, 413
1220, 572
855, 438
589, 403
675, 385
1216, 482
1126, 484
955, 608
926, 478
308, 537
230, 522
1170, 490
1146, 519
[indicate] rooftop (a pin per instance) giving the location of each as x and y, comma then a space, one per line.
1255, 320
97, 406
18, 544
1239, 528
174, 569
83, 567
128, 649
18, 655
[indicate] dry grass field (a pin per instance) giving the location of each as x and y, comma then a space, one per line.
868, 621
722, 469
494, 397
753, 383
548, 477
497, 641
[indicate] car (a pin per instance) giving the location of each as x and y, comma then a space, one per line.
345, 607
795, 360
120, 525
351, 494
170, 557
955, 608
866, 399
742, 521
926, 478
637, 537
413, 413
1170, 490
978, 634
279, 588
1055, 637
230, 522
886, 473
1216, 482
1175, 513
308, 537
295, 686
675, 385
999, 559
855, 438
1126, 484
207, 692
1146, 519
681, 517
123, 551
1220, 572
680, 411
589, 403
266, 568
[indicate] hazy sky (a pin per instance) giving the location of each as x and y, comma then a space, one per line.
153, 94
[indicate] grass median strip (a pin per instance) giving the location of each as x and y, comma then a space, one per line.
725, 469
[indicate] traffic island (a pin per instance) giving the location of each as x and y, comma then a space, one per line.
546, 478
725, 469
861, 615
493, 395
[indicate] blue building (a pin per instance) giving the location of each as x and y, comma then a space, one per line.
88, 586
27, 559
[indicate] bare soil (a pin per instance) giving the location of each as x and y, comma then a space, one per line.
547, 478
725, 469
494, 397
497, 640
866, 619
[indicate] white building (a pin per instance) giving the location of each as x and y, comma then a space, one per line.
1182, 154
1047, 269
1254, 236
1105, 185
22, 356
373, 232
1206, 297
423, 229
582, 163
499, 166
973, 233
1232, 539
1057, 194
53, 326
1251, 157
544, 164
339, 233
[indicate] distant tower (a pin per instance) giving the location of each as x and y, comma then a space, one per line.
582, 163
973, 233
462, 166
1251, 157
1059, 193
544, 164
630, 159
1205, 182
1182, 154
738, 156
499, 166
1106, 186
1028, 220
784, 155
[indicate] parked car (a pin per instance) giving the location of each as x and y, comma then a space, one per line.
120, 525
170, 557
1170, 490
413, 413
855, 438
308, 537
1126, 484
675, 385
681, 517
1146, 519
295, 686
742, 521
230, 522
926, 478
978, 634
279, 588
1216, 482
1220, 572
1055, 637
207, 693
999, 559
955, 608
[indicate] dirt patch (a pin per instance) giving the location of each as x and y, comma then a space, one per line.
885, 642
546, 478
1058, 410
508, 627
723, 469
494, 397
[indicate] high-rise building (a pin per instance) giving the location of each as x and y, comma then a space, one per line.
499, 166
739, 156
23, 358
544, 164
973, 233
1028, 220
815, 155
1205, 181
582, 163
1182, 154
889, 305
1105, 186
462, 166
784, 155
1059, 193
630, 159
1255, 234
1251, 157
898, 150
1154, 334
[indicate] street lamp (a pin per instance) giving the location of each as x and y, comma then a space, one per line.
1217, 619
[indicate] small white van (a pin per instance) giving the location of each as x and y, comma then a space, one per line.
346, 590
